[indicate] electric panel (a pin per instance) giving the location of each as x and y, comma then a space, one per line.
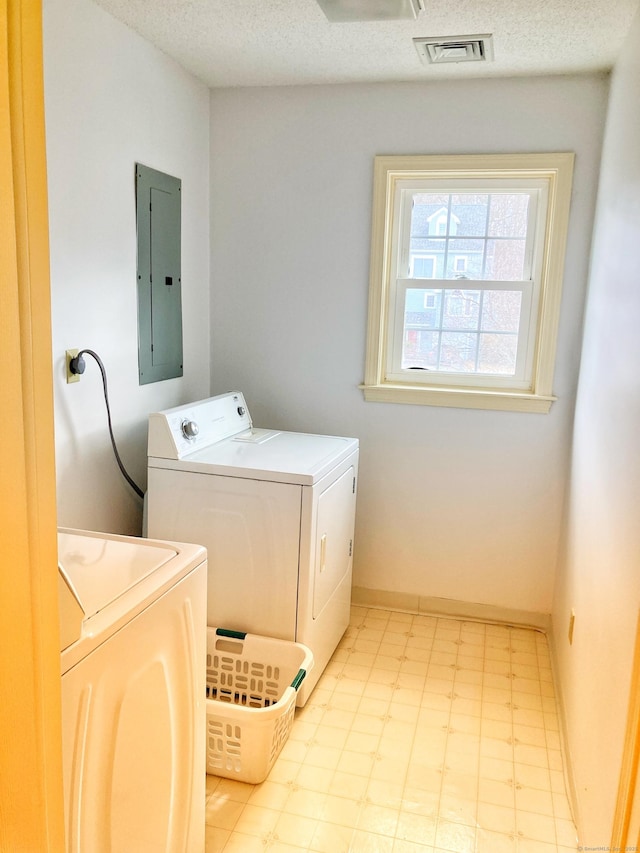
158, 217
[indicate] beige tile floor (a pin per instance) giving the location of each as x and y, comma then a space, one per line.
424, 735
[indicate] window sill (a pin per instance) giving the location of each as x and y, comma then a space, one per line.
463, 398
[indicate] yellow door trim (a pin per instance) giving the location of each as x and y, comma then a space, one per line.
630, 759
30, 752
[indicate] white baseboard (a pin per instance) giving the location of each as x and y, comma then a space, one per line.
430, 605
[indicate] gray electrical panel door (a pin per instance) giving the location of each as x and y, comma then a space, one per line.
159, 285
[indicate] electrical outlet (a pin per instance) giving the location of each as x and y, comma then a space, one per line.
71, 377
572, 622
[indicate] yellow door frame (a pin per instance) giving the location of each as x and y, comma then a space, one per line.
628, 793
31, 804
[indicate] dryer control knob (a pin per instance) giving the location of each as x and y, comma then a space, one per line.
241, 410
190, 429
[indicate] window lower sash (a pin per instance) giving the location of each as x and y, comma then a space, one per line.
461, 333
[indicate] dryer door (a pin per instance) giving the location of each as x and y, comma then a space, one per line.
334, 538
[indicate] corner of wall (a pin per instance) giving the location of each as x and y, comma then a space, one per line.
569, 776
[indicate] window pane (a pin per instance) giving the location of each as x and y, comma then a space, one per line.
422, 308
419, 250
501, 310
505, 260
429, 214
458, 352
508, 216
469, 253
497, 354
420, 349
461, 309
469, 214
422, 266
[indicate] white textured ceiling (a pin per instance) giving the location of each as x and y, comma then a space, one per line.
290, 42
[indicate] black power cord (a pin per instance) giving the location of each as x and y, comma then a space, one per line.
78, 365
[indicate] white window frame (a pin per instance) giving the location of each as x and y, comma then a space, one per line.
547, 175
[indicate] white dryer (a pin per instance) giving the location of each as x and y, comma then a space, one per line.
275, 511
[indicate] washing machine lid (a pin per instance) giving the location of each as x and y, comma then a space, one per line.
105, 579
99, 569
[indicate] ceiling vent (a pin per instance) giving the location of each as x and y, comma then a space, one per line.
343, 11
438, 50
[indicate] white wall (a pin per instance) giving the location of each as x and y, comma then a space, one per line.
600, 571
453, 503
113, 100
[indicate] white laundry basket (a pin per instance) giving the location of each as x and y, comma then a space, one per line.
251, 697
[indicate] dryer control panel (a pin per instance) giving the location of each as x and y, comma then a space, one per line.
177, 432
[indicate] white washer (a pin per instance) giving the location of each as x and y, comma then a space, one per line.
275, 511
133, 659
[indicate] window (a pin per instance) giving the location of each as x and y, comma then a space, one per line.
489, 233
